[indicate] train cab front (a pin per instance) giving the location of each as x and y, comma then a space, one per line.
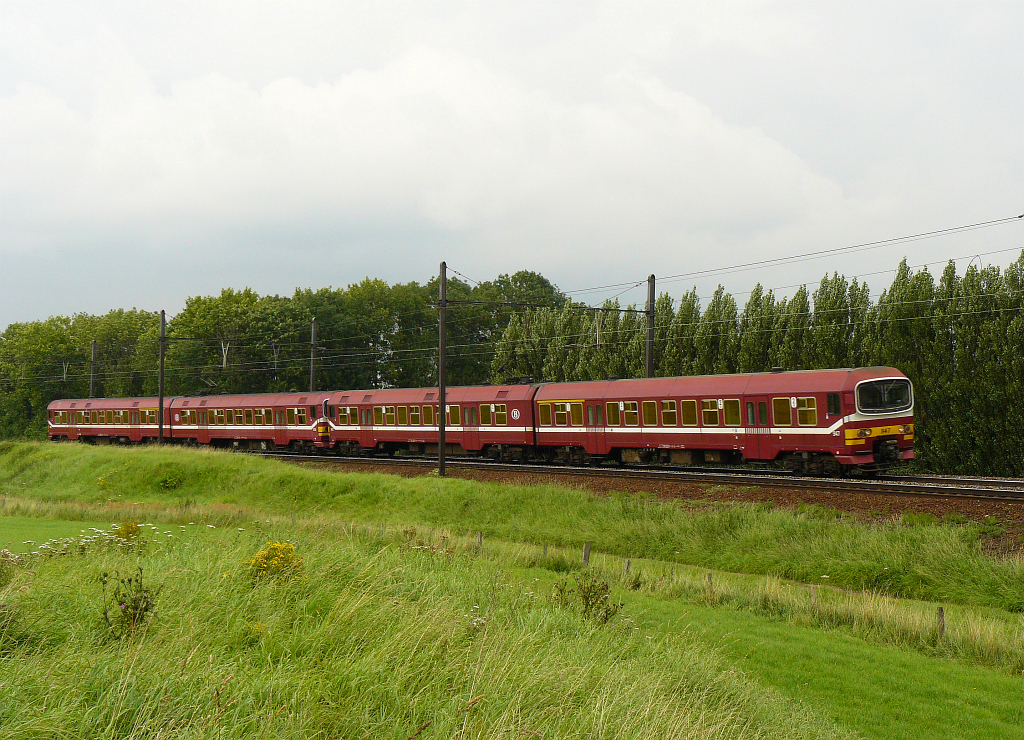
879, 434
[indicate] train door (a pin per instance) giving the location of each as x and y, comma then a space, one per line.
134, 429
595, 428
471, 427
758, 442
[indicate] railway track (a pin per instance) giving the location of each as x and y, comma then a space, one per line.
982, 489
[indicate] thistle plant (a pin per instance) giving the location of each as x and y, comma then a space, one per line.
129, 605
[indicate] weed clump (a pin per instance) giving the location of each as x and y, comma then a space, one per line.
590, 597
275, 559
129, 605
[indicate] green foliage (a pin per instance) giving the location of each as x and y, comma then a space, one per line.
958, 338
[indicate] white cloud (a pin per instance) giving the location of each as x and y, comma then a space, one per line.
606, 143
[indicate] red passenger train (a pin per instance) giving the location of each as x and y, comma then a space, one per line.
815, 421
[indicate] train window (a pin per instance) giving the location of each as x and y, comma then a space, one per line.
268, 416
650, 414
414, 415
631, 413
389, 415
834, 409
135, 417
248, 417
342, 415
378, 415
544, 414
613, 414
403, 416
561, 414
688, 413
202, 418
471, 411
290, 413
750, 413
239, 417
501, 414
454, 415
300, 415
576, 414
781, 412
485, 414
709, 415
668, 413
94, 420
428, 416
600, 422
332, 413
807, 411
732, 412
590, 415
762, 412
257, 417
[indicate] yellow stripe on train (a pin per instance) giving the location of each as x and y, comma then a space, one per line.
863, 434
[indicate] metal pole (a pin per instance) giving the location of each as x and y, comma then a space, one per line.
650, 326
160, 403
92, 371
442, 305
312, 358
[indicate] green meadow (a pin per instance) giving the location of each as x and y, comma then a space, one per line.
390, 620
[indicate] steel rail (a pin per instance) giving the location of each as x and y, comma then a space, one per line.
982, 489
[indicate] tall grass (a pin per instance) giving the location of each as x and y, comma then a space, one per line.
369, 639
939, 563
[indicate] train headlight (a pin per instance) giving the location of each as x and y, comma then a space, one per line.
906, 429
863, 432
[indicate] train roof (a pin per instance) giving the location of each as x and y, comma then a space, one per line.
787, 383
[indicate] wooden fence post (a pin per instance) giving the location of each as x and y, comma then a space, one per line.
586, 553
940, 618
545, 550
625, 568
480, 540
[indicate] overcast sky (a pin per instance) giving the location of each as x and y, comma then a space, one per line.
154, 151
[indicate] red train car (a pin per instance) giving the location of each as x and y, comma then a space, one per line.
493, 420
816, 421
260, 421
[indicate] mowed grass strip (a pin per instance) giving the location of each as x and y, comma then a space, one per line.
366, 638
876, 690
22, 534
943, 563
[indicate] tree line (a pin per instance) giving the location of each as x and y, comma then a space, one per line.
960, 338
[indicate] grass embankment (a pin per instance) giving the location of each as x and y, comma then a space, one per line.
829, 651
935, 563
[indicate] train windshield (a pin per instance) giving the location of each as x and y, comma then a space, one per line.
884, 396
